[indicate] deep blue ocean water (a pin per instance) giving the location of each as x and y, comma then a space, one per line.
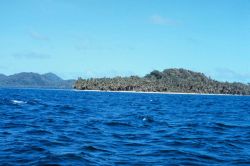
66, 127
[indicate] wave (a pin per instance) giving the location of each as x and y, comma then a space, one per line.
18, 102
68, 128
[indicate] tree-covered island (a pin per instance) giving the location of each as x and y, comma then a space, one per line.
169, 80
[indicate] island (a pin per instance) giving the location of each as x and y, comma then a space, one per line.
169, 80
35, 80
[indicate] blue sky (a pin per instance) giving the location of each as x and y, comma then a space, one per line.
94, 38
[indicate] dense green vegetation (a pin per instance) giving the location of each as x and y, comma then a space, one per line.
34, 80
169, 80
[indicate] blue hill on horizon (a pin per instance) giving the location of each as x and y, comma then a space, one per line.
35, 80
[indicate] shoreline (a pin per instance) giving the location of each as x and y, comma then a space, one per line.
139, 92
166, 93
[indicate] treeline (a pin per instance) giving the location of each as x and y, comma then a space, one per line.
169, 80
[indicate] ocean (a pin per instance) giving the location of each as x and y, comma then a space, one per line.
67, 127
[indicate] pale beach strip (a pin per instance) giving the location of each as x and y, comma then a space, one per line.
166, 93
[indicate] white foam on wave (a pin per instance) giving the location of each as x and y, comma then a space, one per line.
18, 102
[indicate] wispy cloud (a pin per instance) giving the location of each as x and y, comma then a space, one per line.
38, 36
193, 40
84, 45
95, 45
31, 55
160, 20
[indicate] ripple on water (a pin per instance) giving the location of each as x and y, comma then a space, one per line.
45, 127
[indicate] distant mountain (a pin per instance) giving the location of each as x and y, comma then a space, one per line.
34, 80
52, 77
2, 77
169, 80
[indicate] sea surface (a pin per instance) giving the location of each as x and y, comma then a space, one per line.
67, 127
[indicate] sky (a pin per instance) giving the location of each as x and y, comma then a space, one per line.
97, 38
